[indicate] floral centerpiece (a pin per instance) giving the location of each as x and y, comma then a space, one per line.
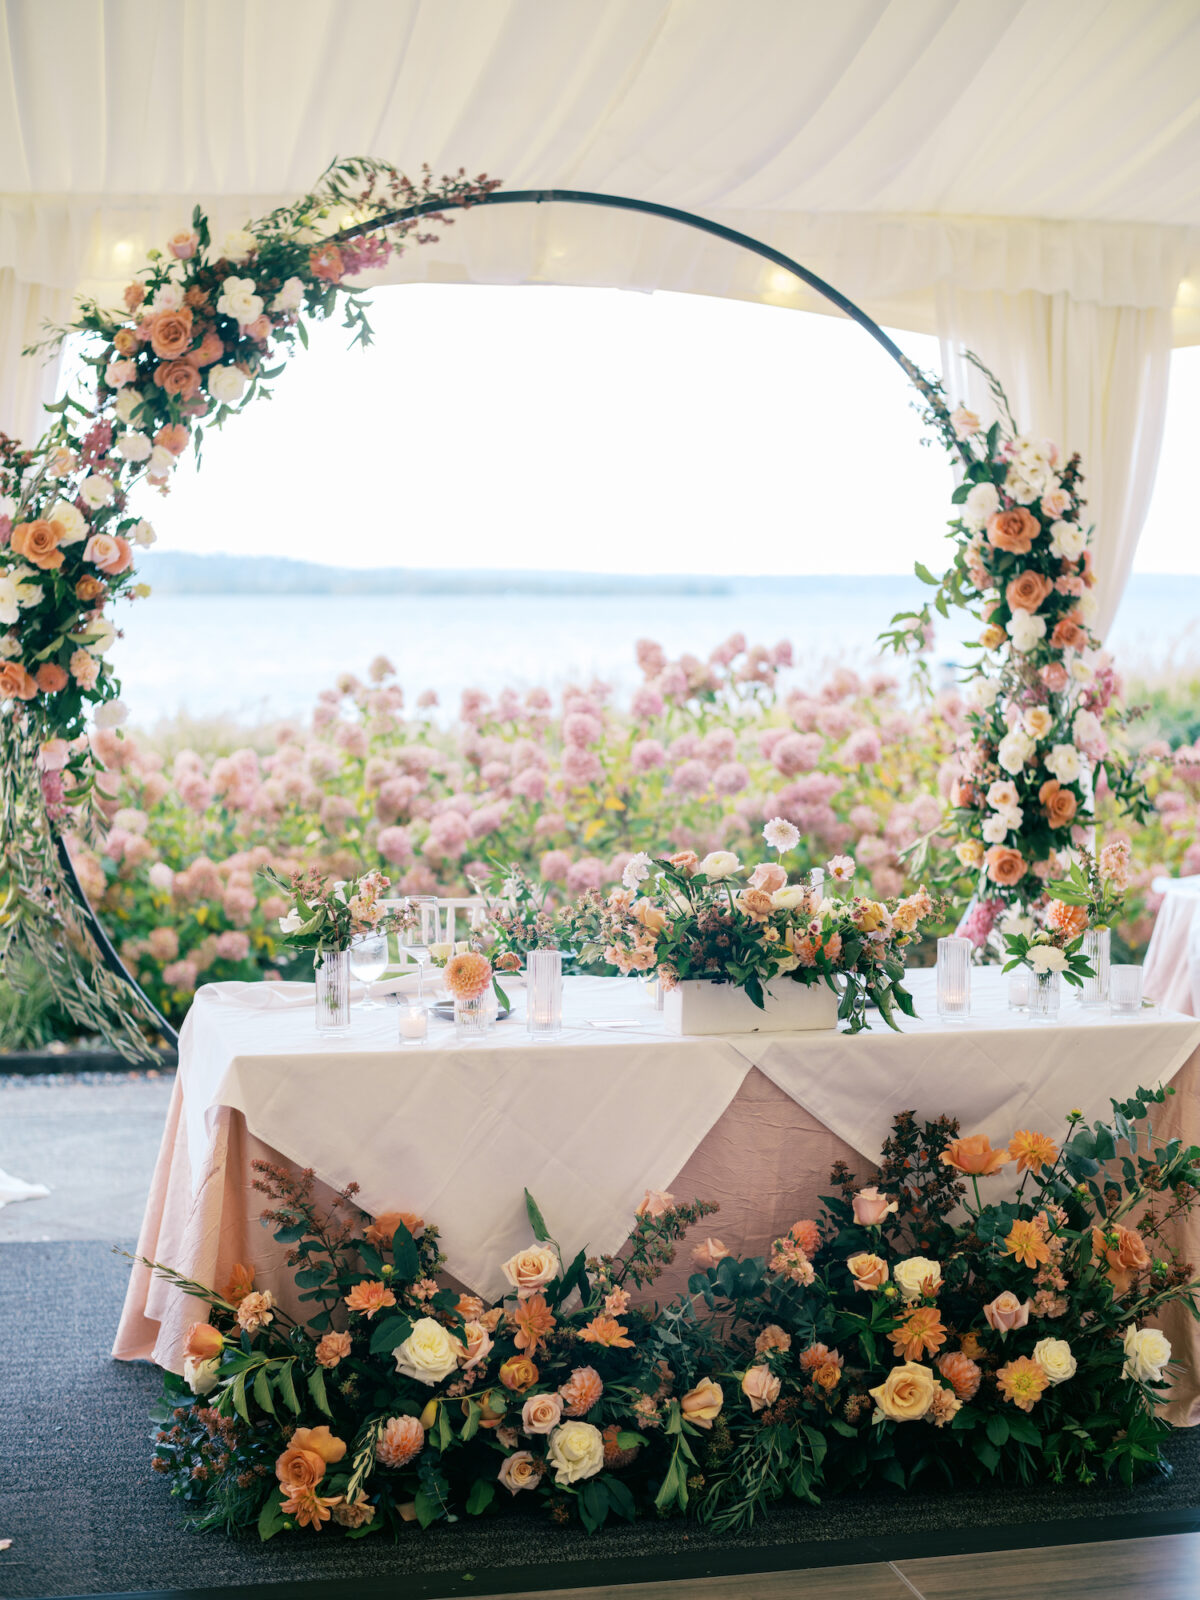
326, 917
688, 919
912, 1330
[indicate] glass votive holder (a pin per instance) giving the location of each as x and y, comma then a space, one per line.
472, 1019
544, 994
1124, 990
1020, 981
1045, 996
954, 978
414, 1025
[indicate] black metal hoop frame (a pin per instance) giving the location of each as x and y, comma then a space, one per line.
513, 197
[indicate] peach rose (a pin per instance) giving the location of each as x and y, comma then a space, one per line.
1005, 866
479, 1343
173, 436
1068, 635
907, 1393
118, 558
518, 1373
298, 1470
702, 1405
1058, 803
868, 1271
184, 244
259, 330
382, 1230
209, 350
1013, 531
542, 1413
755, 904
709, 1253
974, 1156
332, 1348
1006, 1313
870, 1207
1054, 676
1027, 590
770, 877
653, 918
685, 861
656, 1203
761, 1387
38, 542
529, 1270
203, 1342
1123, 1260
178, 378
125, 342
89, 587
170, 333
15, 682
521, 1470
50, 678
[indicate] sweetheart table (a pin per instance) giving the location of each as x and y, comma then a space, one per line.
590, 1120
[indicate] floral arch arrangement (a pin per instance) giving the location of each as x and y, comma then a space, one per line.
205, 328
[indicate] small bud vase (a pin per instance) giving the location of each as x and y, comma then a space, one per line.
331, 969
472, 1018
1045, 993
1097, 947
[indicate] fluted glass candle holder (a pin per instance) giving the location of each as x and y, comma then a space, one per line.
544, 992
1044, 996
331, 970
954, 979
1097, 947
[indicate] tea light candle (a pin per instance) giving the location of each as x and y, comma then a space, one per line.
414, 1025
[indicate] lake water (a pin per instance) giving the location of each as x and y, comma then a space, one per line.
254, 657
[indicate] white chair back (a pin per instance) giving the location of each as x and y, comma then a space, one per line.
458, 915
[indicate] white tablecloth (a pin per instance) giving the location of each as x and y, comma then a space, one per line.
590, 1120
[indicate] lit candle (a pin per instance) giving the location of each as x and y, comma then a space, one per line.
414, 1025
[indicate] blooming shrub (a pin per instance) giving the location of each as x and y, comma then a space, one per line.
704, 755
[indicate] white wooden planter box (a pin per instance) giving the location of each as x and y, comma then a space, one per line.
697, 1007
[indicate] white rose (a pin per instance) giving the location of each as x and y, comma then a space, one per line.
576, 1450
1002, 793
982, 502
984, 692
238, 245
1067, 540
1055, 1359
720, 864
9, 608
167, 297
127, 403
1087, 605
792, 897
134, 446
226, 384
430, 1353
162, 462
1080, 670
1147, 1352
1047, 958
111, 714
28, 592
96, 490
238, 300
161, 877
290, 297
637, 870
1012, 817
910, 1274
1063, 763
200, 1376
98, 636
1025, 629
1037, 722
143, 534
9, 648
995, 829
1086, 727
1014, 750
71, 519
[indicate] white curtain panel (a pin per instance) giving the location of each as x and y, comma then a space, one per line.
27, 383
1092, 378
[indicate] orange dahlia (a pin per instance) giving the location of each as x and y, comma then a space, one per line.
608, 1332
468, 975
400, 1439
960, 1372
533, 1320
1022, 1381
1032, 1151
1065, 919
1028, 1244
581, 1391
922, 1330
807, 1236
369, 1297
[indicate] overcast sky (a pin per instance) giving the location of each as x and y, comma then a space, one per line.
602, 430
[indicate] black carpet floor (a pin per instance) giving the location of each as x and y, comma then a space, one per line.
86, 1516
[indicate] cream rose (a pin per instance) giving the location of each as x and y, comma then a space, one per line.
529, 1270
1055, 1359
576, 1450
913, 1273
70, 519
907, 1393
1147, 1352
1037, 722
200, 1376
981, 503
96, 490
720, 864
226, 384
238, 245
429, 1354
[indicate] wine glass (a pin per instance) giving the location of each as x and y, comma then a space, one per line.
418, 930
368, 963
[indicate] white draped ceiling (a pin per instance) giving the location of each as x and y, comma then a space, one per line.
1020, 176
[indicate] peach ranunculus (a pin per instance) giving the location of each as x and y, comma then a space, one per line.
755, 904
1068, 920
974, 1156
1005, 866
332, 1348
907, 1392
382, 1228
702, 1405
770, 877
1124, 1254
760, 1386
1027, 590
518, 1373
1059, 806
170, 333
709, 1253
1006, 1313
369, 1296
1013, 531
203, 1342
529, 1270
38, 542
542, 1413
400, 1441
684, 861
581, 1391
961, 1373
254, 1311
870, 1207
16, 683
868, 1271
1068, 635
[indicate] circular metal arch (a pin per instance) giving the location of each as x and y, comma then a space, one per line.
515, 197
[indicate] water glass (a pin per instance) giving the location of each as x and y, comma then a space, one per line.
419, 928
954, 979
1124, 990
544, 994
368, 963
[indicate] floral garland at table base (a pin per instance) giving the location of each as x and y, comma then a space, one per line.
880, 1342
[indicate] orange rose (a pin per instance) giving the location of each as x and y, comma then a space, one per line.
1068, 635
178, 378
653, 918
1013, 531
868, 1271
170, 333
299, 1469
110, 552
209, 350
1059, 805
702, 1405
38, 542
88, 588
1005, 866
203, 1342
125, 342
974, 1156
50, 678
1124, 1259
382, 1231
15, 682
518, 1373
1027, 590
